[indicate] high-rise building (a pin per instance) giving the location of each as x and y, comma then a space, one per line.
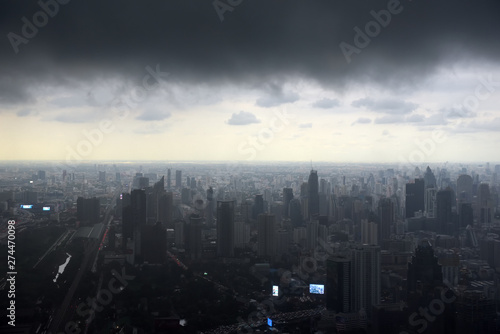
313, 194
444, 218
369, 232
464, 188
366, 277
127, 226
178, 179
210, 207
414, 200
266, 235
483, 205
429, 179
312, 234
166, 209
193, 237
225, 228
287, 197
153, 243
88, 210
169, 179
424, 271
258, 206
295, 213
386, 215
339, 285
465, 215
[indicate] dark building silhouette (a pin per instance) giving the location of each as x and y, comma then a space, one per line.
476, 313
296, 217
258, 206
193, 241
166, 209
169, 179
153, 243
313, 194
225, 228
414, 200
444, 219
386, 218
88, 210
338, 287
266, 235
424, 271
178, 178
210, 207
465, 214
429, 179
287, 197
127, 226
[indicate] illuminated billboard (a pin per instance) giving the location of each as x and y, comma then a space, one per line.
318, 289
269, 322
46, 208
275, 291
26, 206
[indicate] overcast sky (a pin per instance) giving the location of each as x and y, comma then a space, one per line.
342, 81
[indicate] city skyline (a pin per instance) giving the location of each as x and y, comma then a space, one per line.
387, 81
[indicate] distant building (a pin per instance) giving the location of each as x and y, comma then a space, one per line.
266, 235
178, 179
88, 211
339, 285
313, 194
414, 200
225, 228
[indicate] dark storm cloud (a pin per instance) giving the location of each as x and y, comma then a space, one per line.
275, 95
259, 42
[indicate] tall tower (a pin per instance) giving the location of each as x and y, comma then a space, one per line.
266, 229
464, 188
429, 179
178, 179
424, 271
287, 197
313, 193
414, 200
258, 206
169, 179
366, 277
339, 285
225, 228
443, 215
386, 214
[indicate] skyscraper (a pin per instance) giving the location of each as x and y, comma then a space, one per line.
258, 206
169, 179
225, 228
266, 235
424, 270
464, 188
178, 179
444, 218
429, 178
366, 277
414, 200
339, 285
287, 197
88, 210
386, 215
193, 237
295, 212
313, 193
